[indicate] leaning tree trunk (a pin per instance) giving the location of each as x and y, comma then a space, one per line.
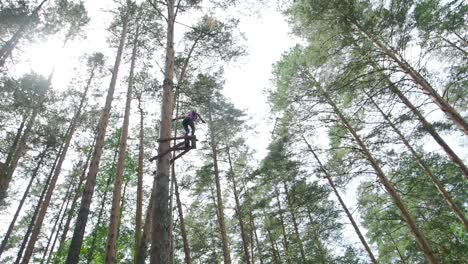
219, 202
422, 83
139, 201
429, 128
238, 210
58, 169
94, 235
418, 235
36, 209
321, 251
62, 208
160, 223
145, 237
116, 193
10, 45
35, 171
60, 226
273, 248
293, 218
13, 146
254, 229
343, 205
75, 199
10, 167
283, 228
183, 229
82, 218
446, 196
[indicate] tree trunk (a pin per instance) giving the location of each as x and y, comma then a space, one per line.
60, 226
343, 205
145, 237
183, 230
429, 128
252, 224
75, 198
6, 237
419, 236
160, 223
6, 176
283, 228
139, 202
82, 218
422, 83
448, 199
116, 193
58, 169
37, 208
89, 257
245, 247
318, 243
61, 209
14, 146
220, 208
273, 248
293, 218
10, 45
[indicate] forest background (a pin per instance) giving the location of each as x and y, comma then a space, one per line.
336, 131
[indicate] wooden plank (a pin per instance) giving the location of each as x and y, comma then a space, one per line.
176, 138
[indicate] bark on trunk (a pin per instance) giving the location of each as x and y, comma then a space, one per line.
6, 237
219, 199
245, 246
343, 205
161, 221
293, 218
82, 218
116, 193
419, 236
423, 84
448, 199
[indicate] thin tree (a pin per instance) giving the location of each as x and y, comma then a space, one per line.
116, 193
418, 235
94, 63
343, 205
82, 218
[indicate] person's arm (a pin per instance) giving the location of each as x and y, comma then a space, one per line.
201, 118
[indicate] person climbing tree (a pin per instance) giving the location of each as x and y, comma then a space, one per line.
188, 121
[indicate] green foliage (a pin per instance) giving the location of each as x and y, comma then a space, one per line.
438, 223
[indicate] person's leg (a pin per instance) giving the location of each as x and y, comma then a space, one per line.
185, 124
192, 126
